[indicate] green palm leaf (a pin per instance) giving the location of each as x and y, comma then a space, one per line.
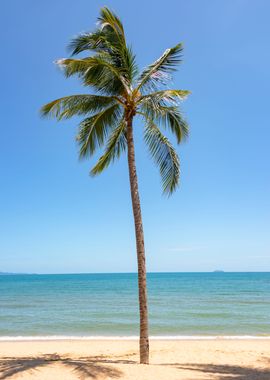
168, 117
173, 120
111, 21
94, 130
164, 156
156, 74
170, 96
109, 35
110, 39
96, 41
69, 106
116, 145
97, 72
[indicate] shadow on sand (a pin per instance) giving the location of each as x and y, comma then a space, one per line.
84, 367
98, 367
228, 372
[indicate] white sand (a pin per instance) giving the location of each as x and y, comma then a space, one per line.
179, 360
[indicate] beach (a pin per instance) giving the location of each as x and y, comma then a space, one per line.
202, 326
129, 251
239, 359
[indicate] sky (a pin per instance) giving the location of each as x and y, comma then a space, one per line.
55, 218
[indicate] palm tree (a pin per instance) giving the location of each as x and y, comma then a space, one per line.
120, 93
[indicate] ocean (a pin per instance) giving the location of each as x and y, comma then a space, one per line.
181, 305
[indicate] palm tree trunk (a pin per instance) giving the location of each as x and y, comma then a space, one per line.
144, 340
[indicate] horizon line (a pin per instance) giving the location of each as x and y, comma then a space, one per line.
2, 273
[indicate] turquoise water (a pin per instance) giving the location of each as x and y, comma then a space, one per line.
181, 304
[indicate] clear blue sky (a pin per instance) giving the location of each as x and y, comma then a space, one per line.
55, 218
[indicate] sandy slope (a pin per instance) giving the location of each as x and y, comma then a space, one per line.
189, 360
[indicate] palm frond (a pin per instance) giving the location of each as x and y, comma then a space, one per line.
158, 72
97, 72
110, 34
173, 120
130, 68
164, 156
168, 96
117, 144
109, 20
108, 38
95, 41
69, 106
156, 108
114, 33
94, 130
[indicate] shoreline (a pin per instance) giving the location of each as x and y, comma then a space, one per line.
61, 338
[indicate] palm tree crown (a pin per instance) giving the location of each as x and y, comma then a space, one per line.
119, 93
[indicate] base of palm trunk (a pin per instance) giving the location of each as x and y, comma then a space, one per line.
144, 351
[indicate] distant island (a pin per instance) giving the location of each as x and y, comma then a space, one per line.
218, 271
